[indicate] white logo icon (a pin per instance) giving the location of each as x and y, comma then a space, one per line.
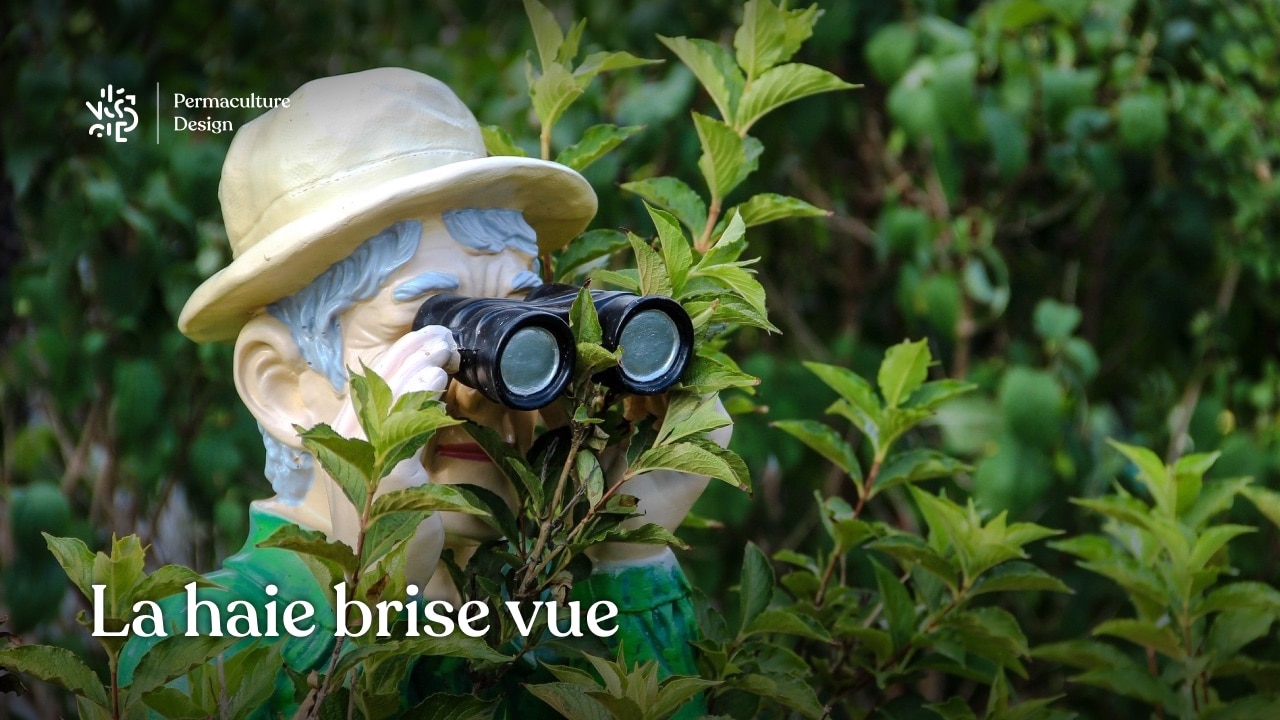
112, 110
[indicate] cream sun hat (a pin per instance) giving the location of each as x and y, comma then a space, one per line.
302, 186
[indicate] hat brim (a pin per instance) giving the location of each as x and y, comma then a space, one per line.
556, 201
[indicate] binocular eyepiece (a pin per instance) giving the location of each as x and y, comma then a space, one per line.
521, 353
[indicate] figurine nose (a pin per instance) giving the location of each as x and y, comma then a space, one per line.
515, 426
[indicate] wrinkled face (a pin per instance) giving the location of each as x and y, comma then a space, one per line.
370, 328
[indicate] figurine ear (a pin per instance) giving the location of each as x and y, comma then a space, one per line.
276, 383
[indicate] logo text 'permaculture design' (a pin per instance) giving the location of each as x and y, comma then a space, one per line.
112, 110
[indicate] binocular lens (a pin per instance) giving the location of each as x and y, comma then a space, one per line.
530, 361
650, 345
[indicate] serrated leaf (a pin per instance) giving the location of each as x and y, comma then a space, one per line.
171, 658
570, 701
371, 399
569, 48
826, 442
628, 280
56, 665
595, 143
76, 561
654, 279
914, 466
708, 375
1018, 576
727, 158
785, 622
1156, 475
497, 142
1239, 595
769, 207
583, 319
690, 415
715, 69
1213, 540
389, 530
1146, 634
899, 610
547, 34
405, 433
910, 550
314, 543
647, 534
770, 34
348, 461
755, 585
689, 457
675, 247
782, 85
932, 394
167, 581
426, 498
1085, 654
789, 691
739, 280
599, 62
171, 704
1130, 682
590, 475
675, 692
860, 404
903, 371
553, 92
674, 196
121, 572
507, 459
456, 645
586, 248
730, 244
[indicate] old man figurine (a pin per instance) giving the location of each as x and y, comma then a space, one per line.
367, 194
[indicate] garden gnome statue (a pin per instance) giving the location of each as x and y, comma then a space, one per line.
344, 210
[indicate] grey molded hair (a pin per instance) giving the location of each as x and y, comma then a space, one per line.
312, 314
492, 231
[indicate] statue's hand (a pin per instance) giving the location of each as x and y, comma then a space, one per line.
419, 361
665, 496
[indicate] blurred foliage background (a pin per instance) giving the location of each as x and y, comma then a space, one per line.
1073, 200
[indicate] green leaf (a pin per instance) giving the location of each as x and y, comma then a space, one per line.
891, 51
708, 375
858, 401
121, 572
1146, 634
739, 280
171, 704
676, 691
916, 465
371, 398
1055, 321
583, 319
785, 622
903, 371
586, 248
405, 433
727, 158
782, 85
1018, 576
570, 701
675, 247
770, 34
910, 550
569, 48
755, 586
508, 459
1241, 595
932, 394
348, 461
653, 271
426, 498
443, 706
826, 442
647, 534
498, 142
553, 92
899, 610
789, 691
674, 196
715, 69
171, 658
456, 645
1085, 654
729, 245
1267, 501
312, 542
167, 581
690, 415
599, 62
547, 34
595, 143
1156, 476
56, 665
590, 475
389, 530
768, 207
1133, 682
688, 457
953, 709
76, 561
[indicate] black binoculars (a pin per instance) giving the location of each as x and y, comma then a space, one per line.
521, 353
